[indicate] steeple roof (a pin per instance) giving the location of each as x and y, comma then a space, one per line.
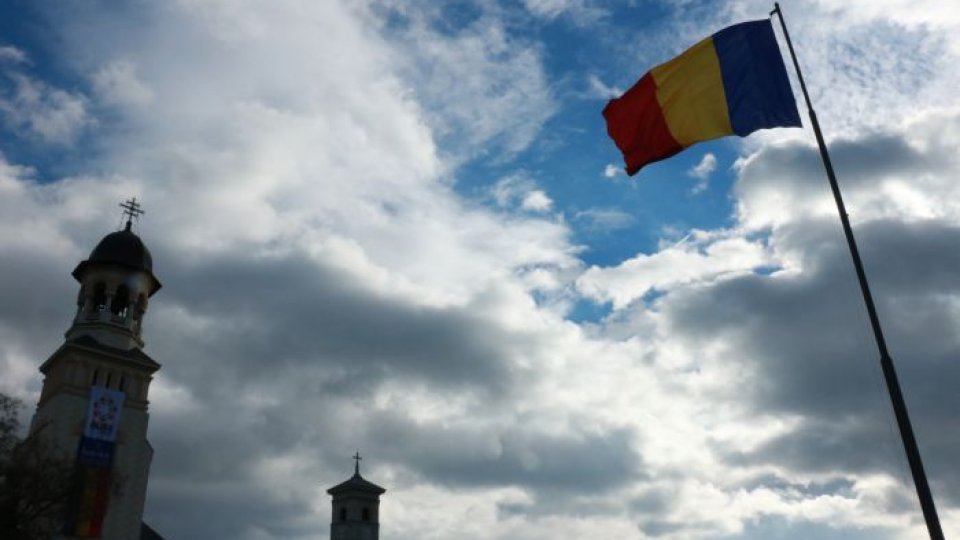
354, 484
123, 248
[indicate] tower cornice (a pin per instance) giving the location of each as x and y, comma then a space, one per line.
133, 358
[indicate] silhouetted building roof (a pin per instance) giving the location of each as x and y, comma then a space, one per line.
356, 483
146, 533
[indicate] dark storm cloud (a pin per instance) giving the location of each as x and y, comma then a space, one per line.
243, 509
879, 154
39, 296
829, 445
653, 501
775, 482
785, 182
243, 439
650, 507
856, 161
810, 328
564, 473
290, 313
208, 478
516, 454
296, 343
805, 338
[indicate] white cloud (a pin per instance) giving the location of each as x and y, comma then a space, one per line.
581, 12
611, 170
479, 87
606, 219
117, 83
12, 54
29, 105
705, 168
702, 171
521, 190
536, 201
600, 90
907, 12
704, 259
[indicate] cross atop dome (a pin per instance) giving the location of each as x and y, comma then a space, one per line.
356, 468
131, 209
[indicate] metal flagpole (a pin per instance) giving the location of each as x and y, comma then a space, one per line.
886, 362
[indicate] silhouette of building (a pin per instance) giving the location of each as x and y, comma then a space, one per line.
93, 405
356, 508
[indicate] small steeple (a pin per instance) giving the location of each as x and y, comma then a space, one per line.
356, 507
116, 281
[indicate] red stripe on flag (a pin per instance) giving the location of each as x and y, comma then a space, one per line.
100, 502
636, 124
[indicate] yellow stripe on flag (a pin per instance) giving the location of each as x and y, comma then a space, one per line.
690, 93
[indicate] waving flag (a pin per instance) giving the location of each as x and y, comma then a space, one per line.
731, 83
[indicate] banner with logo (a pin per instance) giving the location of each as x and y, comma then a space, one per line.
103, 414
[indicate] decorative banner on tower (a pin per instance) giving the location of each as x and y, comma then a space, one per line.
103, 414
90, 492
95, 453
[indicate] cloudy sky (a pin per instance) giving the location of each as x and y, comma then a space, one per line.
400, 228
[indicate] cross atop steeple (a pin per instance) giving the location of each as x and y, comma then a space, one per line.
131, 209
357, 458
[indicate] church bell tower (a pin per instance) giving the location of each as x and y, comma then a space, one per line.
93, 405
356, 508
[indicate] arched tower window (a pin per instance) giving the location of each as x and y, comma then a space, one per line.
120, 301
343, 514
366, 514
99, 296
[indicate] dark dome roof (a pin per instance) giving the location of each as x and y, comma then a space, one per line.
356, 483
122, 248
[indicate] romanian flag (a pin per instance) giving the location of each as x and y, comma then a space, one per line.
731, 83
88, 505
